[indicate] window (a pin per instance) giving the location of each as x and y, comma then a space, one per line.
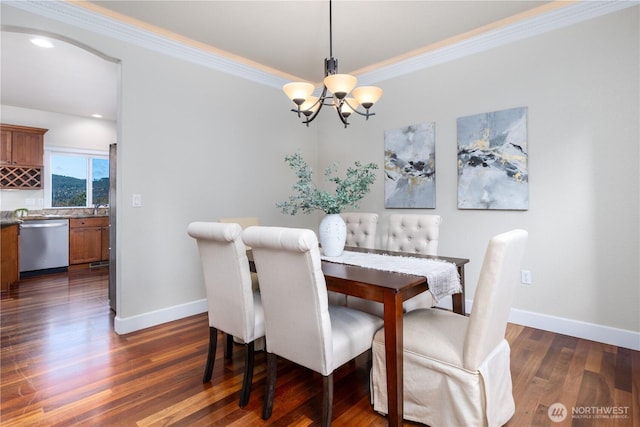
76, 178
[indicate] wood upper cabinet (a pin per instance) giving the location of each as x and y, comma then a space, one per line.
5, 147
88, 240
21, 157
22, 145
10, 263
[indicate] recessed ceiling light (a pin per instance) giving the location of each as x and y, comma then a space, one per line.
97, 116
42, 42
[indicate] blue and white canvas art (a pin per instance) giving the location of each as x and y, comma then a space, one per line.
410, 167
492, 160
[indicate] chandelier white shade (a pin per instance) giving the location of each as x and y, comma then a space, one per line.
340, 84
335, 93
349, 106
298, 91
367, 95
310, 104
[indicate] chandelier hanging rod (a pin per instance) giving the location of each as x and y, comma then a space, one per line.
339, 85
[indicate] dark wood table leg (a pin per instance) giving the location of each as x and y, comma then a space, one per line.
393, 336
458, 299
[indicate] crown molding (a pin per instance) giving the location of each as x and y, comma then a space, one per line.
80, 17
571, 14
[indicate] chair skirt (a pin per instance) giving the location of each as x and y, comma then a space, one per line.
444, 395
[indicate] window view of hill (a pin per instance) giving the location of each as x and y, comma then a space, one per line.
68, 191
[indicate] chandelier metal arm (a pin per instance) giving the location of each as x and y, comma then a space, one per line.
343, 119
323, 100
320, 103
365, 114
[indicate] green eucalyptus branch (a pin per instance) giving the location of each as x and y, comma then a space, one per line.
307, 197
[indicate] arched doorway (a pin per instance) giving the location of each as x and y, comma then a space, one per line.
62, 87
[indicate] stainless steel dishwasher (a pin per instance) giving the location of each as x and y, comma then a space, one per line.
44, 245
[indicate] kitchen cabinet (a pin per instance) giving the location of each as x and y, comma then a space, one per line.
21, 156
10, 264
22, 145
88, 240
105, 242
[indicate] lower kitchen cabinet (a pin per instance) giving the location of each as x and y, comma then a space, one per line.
10, 263
105, 242
88, 240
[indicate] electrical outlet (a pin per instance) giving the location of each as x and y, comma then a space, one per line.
136, 200
526, 277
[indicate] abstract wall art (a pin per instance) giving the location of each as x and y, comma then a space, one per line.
493, 161
410, 167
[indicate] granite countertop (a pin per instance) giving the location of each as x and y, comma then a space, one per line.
35, 217
8, 218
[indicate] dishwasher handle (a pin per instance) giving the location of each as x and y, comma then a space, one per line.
48, 224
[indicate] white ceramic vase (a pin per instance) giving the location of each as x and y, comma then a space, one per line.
332, 234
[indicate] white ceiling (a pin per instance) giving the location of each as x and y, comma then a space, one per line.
293, 36
287, 38
63, 79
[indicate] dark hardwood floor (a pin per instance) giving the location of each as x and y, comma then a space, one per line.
62, 365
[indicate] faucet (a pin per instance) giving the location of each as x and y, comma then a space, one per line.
98, 206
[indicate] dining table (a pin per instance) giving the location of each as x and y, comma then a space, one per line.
391, 289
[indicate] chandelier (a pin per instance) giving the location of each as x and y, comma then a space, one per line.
340, 86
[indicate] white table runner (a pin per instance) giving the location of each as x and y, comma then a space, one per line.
442, 276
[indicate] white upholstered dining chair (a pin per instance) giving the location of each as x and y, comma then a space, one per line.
456, 368
244, 222
234, 307
301, 326
361, 233
413, 233
361, 229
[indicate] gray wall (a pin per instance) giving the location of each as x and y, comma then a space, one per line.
581, 87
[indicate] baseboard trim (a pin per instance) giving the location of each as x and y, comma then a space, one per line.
575, 328
560, 325
142, 321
